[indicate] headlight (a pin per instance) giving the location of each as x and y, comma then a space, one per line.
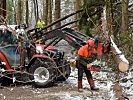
39, 49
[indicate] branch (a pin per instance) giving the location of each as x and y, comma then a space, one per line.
57, 28
60, 19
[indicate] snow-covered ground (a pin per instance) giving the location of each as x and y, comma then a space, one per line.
104, 81
67, 90
128, 85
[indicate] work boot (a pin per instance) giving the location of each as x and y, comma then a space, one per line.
80, 86
94, 88
92, 85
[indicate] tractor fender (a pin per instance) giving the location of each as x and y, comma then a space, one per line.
4, 59
35, 56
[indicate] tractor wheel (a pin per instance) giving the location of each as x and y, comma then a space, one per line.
42, 72
6, 80
64, 71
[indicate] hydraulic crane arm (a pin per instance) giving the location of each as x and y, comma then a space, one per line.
73, 40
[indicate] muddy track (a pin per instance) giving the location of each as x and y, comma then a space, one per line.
67, 91
58, 92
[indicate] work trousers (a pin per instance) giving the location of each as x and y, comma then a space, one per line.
82, 68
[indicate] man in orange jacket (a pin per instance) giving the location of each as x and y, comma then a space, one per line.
84, 54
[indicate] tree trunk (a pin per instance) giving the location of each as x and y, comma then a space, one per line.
77, 7
57, 12
34, 1
50, 13
125, 16
109, 16
27, 13
15, 14
19, 12
2, 10
45, 11
9, 13
37, 13
123, 63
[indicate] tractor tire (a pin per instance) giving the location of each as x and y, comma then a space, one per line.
64, 71
43, 72
6, 80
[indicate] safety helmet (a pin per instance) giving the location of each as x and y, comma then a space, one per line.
90, 42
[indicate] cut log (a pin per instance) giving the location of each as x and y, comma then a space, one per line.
123, 63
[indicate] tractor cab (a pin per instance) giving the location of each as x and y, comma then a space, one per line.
8, 45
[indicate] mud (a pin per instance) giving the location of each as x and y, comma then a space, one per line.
60, 91
68, 91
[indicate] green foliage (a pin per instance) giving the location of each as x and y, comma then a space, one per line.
114, 22
90, 15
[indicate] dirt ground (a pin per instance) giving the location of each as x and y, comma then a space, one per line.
62, 91
29, 93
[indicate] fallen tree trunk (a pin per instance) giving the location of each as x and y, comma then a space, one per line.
123, 63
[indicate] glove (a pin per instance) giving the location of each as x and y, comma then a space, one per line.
95, 68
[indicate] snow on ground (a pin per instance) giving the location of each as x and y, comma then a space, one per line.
103, 80
128, 85
104, 87
68, 89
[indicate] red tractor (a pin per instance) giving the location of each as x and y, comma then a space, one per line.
22, 60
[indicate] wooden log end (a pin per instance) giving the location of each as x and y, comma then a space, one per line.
123, 66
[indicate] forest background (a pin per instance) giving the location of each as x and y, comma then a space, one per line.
85, 14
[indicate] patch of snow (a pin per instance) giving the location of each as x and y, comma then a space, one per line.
128, 86
104, 86
14, 79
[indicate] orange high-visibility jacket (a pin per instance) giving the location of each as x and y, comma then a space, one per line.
85, 52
